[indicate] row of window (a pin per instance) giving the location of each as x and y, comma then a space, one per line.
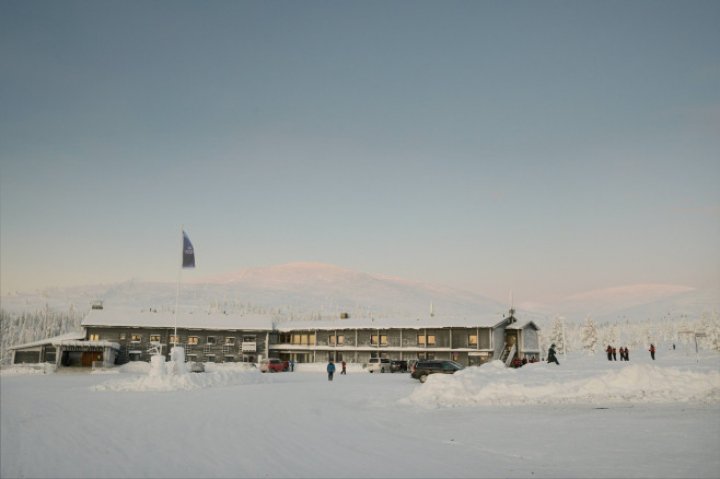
157, 338
209, 358
375, 339
296, 339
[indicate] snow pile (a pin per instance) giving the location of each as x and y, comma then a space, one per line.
22, 369
216, 375
494, 385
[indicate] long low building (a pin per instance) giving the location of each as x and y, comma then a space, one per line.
119, 336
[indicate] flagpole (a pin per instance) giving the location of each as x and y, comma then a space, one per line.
177, 294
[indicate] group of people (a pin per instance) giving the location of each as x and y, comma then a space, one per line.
612, 353
331, 369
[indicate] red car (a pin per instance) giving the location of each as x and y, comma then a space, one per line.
273, 365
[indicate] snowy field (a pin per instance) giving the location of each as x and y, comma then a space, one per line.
586, 418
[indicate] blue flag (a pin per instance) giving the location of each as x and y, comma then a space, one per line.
188, 252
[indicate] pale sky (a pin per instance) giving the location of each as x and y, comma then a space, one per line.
546, 148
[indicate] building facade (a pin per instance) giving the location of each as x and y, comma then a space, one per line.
127, 336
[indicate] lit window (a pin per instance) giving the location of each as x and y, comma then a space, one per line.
431, 340
193, 340
136, 338
332, 340
154, 338
341, 339
174, 339
472, 340
94, 337
311, 339
421, 339
383, 340
373, 339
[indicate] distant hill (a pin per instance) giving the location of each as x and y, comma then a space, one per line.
301, 290
307, 290
633, 303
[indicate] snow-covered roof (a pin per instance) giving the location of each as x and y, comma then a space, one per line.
166, 319
389, 323
524, 325
73, 335
223, 321
75, 338
98, 344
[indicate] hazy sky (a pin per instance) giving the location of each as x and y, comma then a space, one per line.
541, 147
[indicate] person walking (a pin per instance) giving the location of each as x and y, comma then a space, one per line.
652, 351
330, 370
614, 354
344, 370
609, 352
552, 358
627, 354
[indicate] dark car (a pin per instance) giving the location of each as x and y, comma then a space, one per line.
398, 366
425, 368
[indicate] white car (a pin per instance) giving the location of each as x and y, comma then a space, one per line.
381, 365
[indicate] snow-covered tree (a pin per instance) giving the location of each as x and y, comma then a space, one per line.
557, 335
589, 336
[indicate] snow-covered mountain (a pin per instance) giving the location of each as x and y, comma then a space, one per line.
638, 302
300, 290
304, 290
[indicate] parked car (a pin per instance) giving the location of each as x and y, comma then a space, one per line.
273, 365
398, 366
425, 368
196, 367
381, 365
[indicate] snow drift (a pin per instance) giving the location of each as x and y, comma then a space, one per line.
216, 375
494, 385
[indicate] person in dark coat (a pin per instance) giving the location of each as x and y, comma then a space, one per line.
627, 354
609, 352
552, 358
330, 370
614, 354
344, 365
652, 351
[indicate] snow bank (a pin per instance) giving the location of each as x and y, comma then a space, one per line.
22, 369
215, 375
494, 385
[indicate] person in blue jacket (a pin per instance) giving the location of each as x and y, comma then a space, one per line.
330, 370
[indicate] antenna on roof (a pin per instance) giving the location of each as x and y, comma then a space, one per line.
512, 308
432, 310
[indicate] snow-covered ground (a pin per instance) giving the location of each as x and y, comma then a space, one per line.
585, 418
